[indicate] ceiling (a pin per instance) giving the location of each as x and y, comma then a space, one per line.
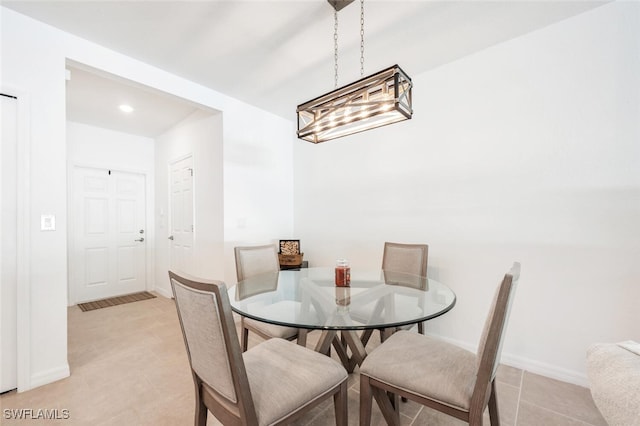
94, 98
275, 54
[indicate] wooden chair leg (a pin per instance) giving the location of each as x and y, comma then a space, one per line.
421, 328
201, 409
389, 405
245, 338
494, 415
340, 405
395, 401
365, 401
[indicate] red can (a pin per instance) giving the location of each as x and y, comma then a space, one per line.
343, 273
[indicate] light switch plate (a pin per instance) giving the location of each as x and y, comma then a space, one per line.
47, 222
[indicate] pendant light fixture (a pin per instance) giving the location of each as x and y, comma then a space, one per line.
377, 100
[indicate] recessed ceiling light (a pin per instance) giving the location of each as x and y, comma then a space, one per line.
126, 108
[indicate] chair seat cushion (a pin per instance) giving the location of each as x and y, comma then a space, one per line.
270, 330
284, 376
424, 366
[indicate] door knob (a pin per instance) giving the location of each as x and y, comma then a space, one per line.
141, 239
171, 237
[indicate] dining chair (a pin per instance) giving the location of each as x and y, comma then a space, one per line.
438, 374
274, 382
251, 261
407, 259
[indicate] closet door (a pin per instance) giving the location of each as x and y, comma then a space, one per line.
8, 244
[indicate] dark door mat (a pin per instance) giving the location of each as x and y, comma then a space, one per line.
113, 301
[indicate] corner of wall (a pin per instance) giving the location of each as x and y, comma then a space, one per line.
527, 364
49, 376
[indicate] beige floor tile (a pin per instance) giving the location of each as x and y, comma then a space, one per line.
323, 410
327, 417
509, 375
507, 404
429, 417
170, 408
50, 396
129, 366
563, 398
128, 416
532, 415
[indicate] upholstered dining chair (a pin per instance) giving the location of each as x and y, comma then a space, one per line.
437, 374
407, 259
251, 261
274, 382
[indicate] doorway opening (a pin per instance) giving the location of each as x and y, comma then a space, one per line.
115, 145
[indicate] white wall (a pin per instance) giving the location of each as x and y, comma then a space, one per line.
96, 147
258, 176
526, 151
34, 64
199, 135
33, 61
91, 146
551, 117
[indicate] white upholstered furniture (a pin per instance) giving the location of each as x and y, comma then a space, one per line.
614, 379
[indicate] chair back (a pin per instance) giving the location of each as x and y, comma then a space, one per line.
212, 343
257, 284
256, 260
490, 346
406, 258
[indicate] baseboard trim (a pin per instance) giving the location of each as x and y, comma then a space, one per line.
530, 365
163, 292
49, 376
544, 369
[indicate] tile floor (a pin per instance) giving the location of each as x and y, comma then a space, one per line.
129, 367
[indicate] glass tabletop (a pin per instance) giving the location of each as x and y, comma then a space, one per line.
308, 298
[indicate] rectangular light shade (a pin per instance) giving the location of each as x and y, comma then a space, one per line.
377, 100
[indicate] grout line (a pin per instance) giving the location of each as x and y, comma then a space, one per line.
515, 420
417, 415
542, 407
584, 422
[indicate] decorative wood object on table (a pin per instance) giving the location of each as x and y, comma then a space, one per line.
289, 254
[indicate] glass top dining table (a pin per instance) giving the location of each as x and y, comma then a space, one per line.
308, 299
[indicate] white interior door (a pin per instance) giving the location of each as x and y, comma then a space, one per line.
181, 215
109, 234
8, 245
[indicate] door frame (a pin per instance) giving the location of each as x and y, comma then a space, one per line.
149, 225
23, 232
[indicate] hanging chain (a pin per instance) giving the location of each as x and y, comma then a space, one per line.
362, 38
335, 47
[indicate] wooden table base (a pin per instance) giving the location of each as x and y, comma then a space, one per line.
347, 345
